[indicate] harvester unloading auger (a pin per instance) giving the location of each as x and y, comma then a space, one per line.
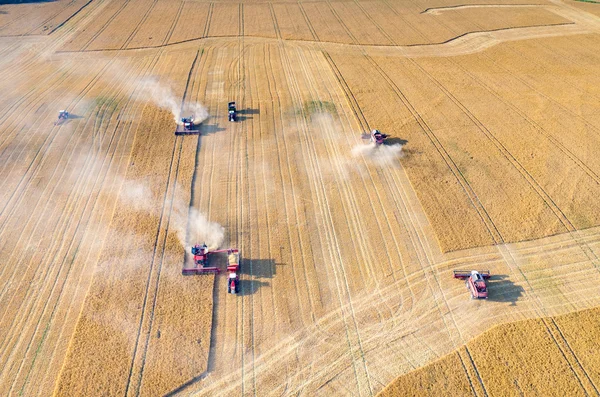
201, 256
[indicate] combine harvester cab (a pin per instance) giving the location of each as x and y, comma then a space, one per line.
63, 116
187, 127
475, 282
377, 137
200, 254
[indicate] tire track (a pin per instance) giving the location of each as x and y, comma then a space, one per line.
74, 202
483, 214
104, 27
336, 255
425, 273
485, 393
153, 288
208, 19
505, 152
139, 24
173, 25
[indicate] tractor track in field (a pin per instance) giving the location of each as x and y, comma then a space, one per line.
345, 290
466, 372
79, 222
568, 346
166, 211
104, 27
173, 25
34, 166
564, 354
54, 16
485, 393
469, 191
208, 20
138, 25
505, 152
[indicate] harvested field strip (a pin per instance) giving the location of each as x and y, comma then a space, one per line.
165, 377
539, 343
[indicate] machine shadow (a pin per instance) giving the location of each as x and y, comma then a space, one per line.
243, 114
256, 269
206, 129
501, 289
393, 141
249, 111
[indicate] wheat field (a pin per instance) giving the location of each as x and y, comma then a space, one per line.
347, 250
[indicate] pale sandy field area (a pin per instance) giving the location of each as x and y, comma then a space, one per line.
347, 250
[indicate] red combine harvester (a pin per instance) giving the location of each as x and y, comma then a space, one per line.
475, 282
377, 137
201, 256
187, 126
63, 116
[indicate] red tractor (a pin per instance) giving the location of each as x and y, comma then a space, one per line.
475, 282
201, 256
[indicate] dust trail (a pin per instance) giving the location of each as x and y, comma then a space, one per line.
208, 232
381, 155
163, 96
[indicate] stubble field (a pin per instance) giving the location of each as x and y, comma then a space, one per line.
347, 250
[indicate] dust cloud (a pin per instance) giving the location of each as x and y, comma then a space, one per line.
381, 155
162, 96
